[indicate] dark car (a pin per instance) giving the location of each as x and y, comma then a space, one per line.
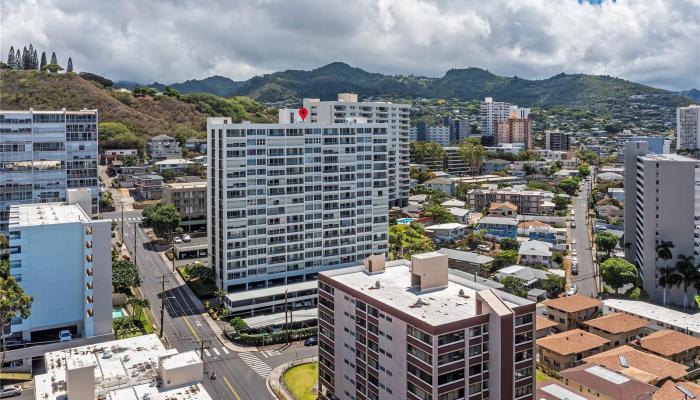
312, 341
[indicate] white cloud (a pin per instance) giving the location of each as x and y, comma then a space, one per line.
653, 42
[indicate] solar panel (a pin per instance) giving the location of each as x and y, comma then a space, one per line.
688, 394
623, 362
608, 375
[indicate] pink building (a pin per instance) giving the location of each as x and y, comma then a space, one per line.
412, 330
513, 130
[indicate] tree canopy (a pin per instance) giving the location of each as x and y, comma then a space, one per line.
439, 214
505, 258
617, 272
606, 241
163, 218
13, 303
427, 152
473, 155
509, 244
115, 135
124, 275
515, 285
407, 240
569, 186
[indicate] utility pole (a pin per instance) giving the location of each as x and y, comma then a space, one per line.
172, 238
134, 255
122, 203
163, 278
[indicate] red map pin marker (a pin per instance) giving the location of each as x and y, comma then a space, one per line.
303, 112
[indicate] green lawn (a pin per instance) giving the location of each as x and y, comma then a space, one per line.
201, 289
300, 381
541, 376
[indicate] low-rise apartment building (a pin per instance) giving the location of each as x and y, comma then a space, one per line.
162, 147
499, 227
641, 365
618, 328
466, 261
175, 166
572, 311
111, 155
149, 187
527, 201
568, 349
672, 345
411, 330
606, 384
190, 199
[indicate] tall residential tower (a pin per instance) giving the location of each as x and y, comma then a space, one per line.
688, 127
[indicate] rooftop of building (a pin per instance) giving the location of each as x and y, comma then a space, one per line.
571, 304
668, 342
572, 342
535, 248
498, 221
161, 137
512, 190
466, 256
616, 323
529, 275
645, 367
446, 226
668, 157
124, 370
506, 204
608, 383
453, 203
674, 391
665, 315
544, 323
555, 390
46, 214
187, 185
533, 224
174, 161
437, 306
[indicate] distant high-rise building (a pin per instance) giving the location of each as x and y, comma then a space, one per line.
657, 144
413, 330
663, 204
63, 258
688, 127
438, 134
287, 201
347, 108
514, 129
43, 154
491, 113
557, 140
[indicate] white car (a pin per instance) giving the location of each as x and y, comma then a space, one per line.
573, 252
186, 238
177, 239
572, 291
573, 241
65, 336
574, 260
10, 391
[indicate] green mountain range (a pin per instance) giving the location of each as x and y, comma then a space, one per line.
578, 90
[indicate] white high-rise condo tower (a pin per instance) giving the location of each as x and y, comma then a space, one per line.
688, 127
287, 201
493, 112
396, 116
45, 153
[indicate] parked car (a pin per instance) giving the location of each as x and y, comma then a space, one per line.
312, 341
10, 391
572, 291
14, 343
65, 336
177, 239
483, 247
574, 269
573, 241
573, 252
186, 238
573, 224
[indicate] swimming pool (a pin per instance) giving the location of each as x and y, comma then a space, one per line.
118, 313
405, 221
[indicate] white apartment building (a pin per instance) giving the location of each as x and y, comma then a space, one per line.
62, 258
491, 113
413, 330
287, 201
438, 134
688, 127
663, 204
163, 147
347, 108
43, 153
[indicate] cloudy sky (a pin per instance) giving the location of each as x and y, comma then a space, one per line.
648, 41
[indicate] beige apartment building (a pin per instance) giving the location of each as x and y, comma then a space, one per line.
572, 311
190, 199
618, 328
513, 130
568, 349
412, 330
526, 201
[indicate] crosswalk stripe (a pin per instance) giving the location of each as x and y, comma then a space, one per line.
216, 351
264, 354
225, 350
207, 353
256, 364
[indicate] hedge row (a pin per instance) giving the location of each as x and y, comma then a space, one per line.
259, 339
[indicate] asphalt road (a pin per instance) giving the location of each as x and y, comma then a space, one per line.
239, 375
586, 280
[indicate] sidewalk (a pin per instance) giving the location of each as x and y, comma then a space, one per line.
274, 379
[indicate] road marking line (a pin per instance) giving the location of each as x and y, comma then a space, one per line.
225, 350
230, 387
206, 351
189, 325
216, 351
264, 354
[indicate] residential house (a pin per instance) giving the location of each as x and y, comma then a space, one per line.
606, 384
617, 194
446, 232
544, 327
461, 214
494, 165
527, 201
646, 367
535, 252
618, 328
443, 185
467, 261
453, 203
162, 147
499, 227
572, 311
111, 155
568, 349
555, 390
672, 345
610, 177
609, 211
418, 198
198, 145
505, 209
536, 230
531, 276
671, 390
149, 187
126, 176
175, 166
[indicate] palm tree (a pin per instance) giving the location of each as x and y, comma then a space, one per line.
137, 302
688, 275
663, 251
220, 294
